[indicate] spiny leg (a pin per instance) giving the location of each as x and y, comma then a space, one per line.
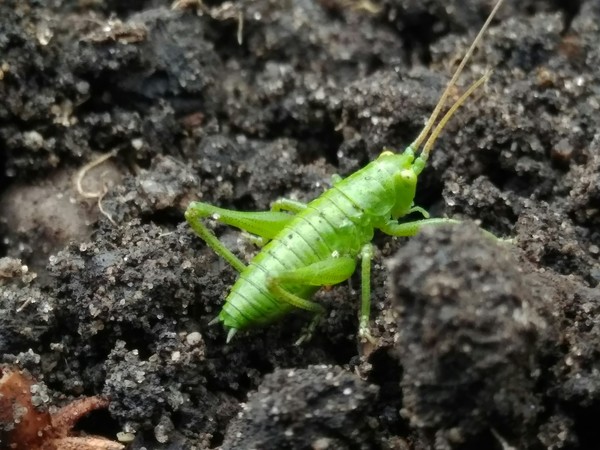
322, 273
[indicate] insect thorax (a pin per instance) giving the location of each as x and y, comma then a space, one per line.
385, 188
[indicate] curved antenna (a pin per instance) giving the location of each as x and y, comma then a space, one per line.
442, 101
440, 126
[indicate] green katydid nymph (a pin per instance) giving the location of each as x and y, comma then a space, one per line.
317, 244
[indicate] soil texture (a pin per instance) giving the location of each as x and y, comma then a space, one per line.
114, 116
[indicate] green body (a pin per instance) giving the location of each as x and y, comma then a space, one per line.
317, 244
336, 224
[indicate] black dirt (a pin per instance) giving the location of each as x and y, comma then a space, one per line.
472, 335
316, 407
105, 290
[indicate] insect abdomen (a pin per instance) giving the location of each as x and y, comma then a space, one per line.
303, 242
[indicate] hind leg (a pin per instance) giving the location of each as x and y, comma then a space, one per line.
265, 224
322, 273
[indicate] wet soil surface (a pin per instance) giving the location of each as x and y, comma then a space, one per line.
105, 290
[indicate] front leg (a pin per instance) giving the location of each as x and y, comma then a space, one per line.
419, 210
394, 228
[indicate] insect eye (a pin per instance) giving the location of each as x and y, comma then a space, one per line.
408, 175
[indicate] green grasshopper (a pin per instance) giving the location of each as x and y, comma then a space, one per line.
317, 244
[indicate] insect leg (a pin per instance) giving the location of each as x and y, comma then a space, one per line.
419, 210
322, 273
366, 255
194, 217
285, 204
393, 228
265, 224
282, 204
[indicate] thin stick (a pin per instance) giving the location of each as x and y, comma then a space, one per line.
100, 194
85, 169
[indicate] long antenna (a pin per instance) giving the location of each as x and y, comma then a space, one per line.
442, 101
440, 126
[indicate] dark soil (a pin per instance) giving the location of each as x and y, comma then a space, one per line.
481, 344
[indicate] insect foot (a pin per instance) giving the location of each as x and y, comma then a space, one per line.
365, 334
309, 331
